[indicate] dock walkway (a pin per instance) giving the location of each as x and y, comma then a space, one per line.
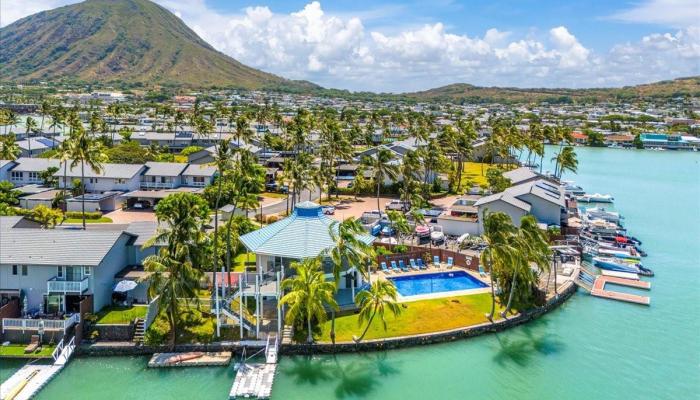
191, 359
599, 290
253, 381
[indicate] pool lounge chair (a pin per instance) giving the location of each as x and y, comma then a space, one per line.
403, 266
420, 263
482, 273
450, 262
436, 261
413, 264
394, 267
384, 268
33, 344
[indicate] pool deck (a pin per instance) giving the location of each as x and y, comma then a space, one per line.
433, 270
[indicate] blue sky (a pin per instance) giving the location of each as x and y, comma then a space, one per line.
400, 46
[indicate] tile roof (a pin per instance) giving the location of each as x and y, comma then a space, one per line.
303, 234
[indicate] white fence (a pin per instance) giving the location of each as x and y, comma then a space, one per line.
24, 324
54, 285
151, 314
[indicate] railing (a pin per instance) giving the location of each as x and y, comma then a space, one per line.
157, 185
151, 314
36, 324
55, 285
57, 351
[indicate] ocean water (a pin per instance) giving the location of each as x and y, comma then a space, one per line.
590, 348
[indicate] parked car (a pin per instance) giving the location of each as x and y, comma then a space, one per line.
398, 205
328, 210
142, 205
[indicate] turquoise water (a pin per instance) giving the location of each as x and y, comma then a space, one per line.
435, 283
590, 348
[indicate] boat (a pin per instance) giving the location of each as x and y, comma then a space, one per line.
572, 189
422, 230
595, 198
436, 235
602, 227
601, 213
613, 264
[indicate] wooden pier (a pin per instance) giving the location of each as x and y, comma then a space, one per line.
599, 290
191, 359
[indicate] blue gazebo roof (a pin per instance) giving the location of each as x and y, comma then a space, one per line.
301, 235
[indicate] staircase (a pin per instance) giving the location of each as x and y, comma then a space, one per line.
139, 331
233, 314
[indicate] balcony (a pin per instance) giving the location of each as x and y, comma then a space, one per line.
54, 285
26, 324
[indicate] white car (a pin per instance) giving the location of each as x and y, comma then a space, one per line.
397, 205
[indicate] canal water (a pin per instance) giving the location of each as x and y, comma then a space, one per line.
590, 348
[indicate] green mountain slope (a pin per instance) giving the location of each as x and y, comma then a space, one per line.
130, 41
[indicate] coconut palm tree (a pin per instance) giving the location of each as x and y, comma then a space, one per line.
309, 294
499, 253
382, 168
565, 161
57, 119
9, 149
83, 150
380, 297
30, 125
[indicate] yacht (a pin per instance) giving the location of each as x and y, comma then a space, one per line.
595, 198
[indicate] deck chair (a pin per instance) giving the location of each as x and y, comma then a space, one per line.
33, 344
402, 265
420, 263
413, 264
450, 262
384, 268
394, 267
482, 273
436, 261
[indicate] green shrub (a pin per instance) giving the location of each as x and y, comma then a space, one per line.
401, 248
191, 149
79, 215
383, 251
158, 332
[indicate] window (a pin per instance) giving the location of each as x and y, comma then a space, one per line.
93, 180
24, 270
14, 270
33, 176
86, 271
16, 176
60, 272
120, 181
198, 179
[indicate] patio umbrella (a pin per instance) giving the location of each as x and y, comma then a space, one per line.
125, 286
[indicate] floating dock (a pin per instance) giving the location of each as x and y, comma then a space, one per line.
253, 381
599, 290
190, 359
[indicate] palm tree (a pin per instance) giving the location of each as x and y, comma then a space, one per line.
85, 150
380, 296
382, 168
57, 119
30, 125
9, 149
309, 294
499, 252
565, 161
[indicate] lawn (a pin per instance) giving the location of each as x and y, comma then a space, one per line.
418, 317
472, 172
102, 220
17, 351
239, 262
120, 314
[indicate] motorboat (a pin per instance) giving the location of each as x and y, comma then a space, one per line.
462, 238
601, 213
437, 235
572, 189
602, 227
613, 264
595, 198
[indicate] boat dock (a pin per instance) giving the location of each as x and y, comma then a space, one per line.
599, 290
190, 359
30, 379
255, 380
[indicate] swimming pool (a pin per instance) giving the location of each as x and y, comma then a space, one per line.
412, 285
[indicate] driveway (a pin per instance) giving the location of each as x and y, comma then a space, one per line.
129, 216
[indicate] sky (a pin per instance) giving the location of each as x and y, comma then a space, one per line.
403, 46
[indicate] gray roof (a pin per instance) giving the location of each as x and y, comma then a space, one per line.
521, 174
56, 246
164, 168
7, 223
120, 171
5, 162
143, 230
199, 170
542, 189
506, 197
25, 164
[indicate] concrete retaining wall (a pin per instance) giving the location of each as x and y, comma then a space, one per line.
115, 333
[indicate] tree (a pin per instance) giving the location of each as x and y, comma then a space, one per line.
309, 295
380, 297
382, 167
9, 196
47, 217
85, 150
9, 149
47, 176
565, 161
499, 253
637, 142
594, 138
496, 181
30, 125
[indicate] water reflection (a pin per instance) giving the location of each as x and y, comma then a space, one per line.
520, 351
352, 376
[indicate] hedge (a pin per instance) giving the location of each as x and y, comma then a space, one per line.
79, 215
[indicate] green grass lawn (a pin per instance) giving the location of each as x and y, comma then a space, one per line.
102, 220
17, 351
120, 314
472, 172
240, 260
417, 317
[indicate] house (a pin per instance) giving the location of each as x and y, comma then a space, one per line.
35, 146
111, 177
26, 171
54, 269
540, 198
198, 176
162, 175
619, 140
579, 137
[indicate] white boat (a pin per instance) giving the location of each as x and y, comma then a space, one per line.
436, 235
573, 189
595, 198
601, 213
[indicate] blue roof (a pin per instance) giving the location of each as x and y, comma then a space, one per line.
301, 235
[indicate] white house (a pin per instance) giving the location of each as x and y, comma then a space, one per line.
112, 177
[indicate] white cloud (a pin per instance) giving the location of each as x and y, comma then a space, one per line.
336, 50
674, 13
12, 10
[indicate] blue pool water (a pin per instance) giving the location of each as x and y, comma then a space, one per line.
434, 283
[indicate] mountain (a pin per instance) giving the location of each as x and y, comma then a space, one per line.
462, 92
122, 41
